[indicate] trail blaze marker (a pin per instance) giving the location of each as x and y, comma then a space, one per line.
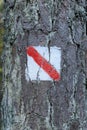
43, 63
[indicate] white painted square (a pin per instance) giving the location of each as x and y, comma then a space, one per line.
35, 72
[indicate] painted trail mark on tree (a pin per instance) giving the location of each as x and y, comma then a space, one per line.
42, 61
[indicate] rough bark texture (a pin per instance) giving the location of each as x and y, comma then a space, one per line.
45, 105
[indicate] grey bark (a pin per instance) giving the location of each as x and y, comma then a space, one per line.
45, 105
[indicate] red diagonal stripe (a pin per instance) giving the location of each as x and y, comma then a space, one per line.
43, 63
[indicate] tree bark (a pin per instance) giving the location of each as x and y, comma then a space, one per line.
45, 105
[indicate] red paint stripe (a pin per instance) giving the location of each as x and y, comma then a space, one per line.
43, 63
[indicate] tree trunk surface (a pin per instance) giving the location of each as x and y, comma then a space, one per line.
45, 105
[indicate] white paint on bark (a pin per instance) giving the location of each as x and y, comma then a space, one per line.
34, 71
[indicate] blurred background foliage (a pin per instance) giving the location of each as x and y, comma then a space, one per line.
1, 47
1, 36
1, 5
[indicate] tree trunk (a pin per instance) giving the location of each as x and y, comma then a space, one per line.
45, 105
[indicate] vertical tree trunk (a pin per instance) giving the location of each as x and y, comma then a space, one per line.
45, 105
